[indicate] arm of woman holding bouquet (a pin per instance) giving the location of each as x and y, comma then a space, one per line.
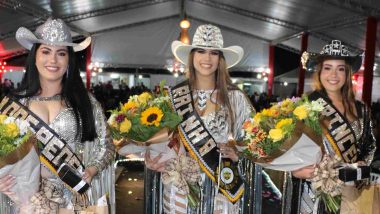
103, 146
242, 109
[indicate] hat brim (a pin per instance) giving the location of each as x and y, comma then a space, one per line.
27, 39
314, 58
232, 54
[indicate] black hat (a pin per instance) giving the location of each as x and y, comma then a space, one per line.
334, 50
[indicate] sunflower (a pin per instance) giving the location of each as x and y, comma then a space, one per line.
151, 116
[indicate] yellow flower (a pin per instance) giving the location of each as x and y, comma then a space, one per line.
274, 111
129, 105
276, 134
265, 112
284, 122
287, 106
125, 126
301, 112
11, 130
2, 118
144, 97
151, 116
257, 118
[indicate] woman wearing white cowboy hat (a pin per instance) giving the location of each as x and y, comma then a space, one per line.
53, 90
222, 108
349, 134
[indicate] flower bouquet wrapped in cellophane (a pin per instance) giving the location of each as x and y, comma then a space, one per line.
145, 122
285, 137
18, 157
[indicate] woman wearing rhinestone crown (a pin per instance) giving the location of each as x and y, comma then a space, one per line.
349, 135
52, 89
213, 110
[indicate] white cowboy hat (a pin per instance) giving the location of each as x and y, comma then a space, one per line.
334, 50
208, 37
52, 32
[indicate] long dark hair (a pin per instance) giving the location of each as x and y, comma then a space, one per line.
223, 81
73, 91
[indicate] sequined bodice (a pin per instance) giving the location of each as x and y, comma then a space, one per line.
216, 123
357, 127
65, 125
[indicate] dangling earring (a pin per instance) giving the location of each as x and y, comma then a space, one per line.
67, 72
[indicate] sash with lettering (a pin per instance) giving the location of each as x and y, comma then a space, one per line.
337, 130
202, 146
55, 154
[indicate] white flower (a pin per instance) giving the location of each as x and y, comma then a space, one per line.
134, 98
316, 106
160, 100
112, 118
9, 120
23, 126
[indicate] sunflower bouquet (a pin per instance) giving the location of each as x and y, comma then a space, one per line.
286, 136
18, 157
144, 120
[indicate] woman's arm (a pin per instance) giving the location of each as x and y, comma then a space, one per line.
104, 150
367, 145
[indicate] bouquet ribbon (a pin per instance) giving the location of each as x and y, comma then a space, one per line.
159, 137
181, 171
326, 176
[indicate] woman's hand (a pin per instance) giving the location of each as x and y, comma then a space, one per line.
6, 183
89, 173
154, 164
228, 152
306, 172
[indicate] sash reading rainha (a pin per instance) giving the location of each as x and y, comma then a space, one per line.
202, 146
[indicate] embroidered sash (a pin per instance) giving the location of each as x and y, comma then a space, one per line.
338, 130
55, 154
202, 146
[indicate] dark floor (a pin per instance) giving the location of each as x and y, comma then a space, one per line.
130, 188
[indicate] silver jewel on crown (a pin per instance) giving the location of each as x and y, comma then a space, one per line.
335, 49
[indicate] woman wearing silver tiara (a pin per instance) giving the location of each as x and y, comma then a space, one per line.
333, 87
221, 109
53, 90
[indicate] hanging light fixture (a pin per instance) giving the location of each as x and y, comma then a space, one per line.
184, 24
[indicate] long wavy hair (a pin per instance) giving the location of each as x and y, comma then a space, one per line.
223, 82
348, 95
73, 92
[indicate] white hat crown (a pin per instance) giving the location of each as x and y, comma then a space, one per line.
208, 36
54, 30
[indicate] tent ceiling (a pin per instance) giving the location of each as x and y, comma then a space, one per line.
138, 33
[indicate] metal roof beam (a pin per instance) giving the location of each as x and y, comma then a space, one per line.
232, 29
134, 24
250, 14
25, 8
355, 6
115, 9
